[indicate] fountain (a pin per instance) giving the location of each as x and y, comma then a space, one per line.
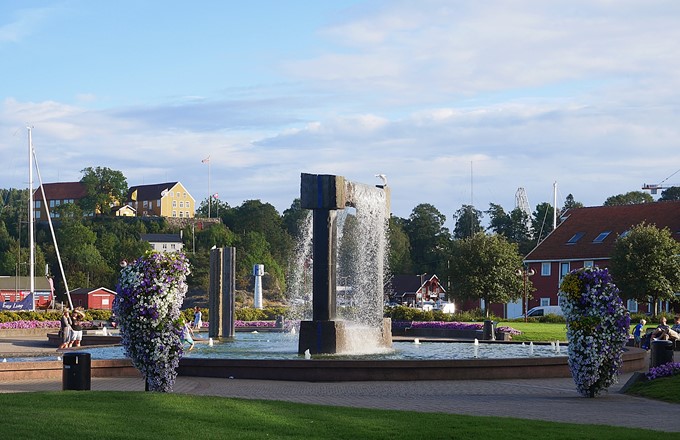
325, 195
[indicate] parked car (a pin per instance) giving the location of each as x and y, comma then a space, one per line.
545, 310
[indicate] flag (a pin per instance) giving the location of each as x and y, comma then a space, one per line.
216, 196
206, 160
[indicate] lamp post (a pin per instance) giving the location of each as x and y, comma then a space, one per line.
525, 273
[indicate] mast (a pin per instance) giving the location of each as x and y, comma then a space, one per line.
31, 216
554, 205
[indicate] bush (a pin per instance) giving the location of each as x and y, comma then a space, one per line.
552, 318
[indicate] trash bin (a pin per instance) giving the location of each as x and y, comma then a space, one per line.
489, 333
662, 353
76, 372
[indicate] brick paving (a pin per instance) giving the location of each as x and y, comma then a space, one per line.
539, 399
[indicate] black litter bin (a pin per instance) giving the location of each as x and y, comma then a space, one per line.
489, 333
662, 353
76, 372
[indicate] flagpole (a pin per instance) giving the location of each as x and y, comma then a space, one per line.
207, 160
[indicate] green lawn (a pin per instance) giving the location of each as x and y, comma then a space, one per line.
127, 415
537, 331
665, 388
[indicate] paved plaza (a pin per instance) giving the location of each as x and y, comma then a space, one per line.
539, 399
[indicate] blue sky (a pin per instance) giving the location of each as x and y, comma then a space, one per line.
455, 101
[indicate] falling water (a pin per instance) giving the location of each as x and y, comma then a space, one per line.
361, 262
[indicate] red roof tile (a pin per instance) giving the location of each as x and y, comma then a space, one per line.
593, 221
61, 191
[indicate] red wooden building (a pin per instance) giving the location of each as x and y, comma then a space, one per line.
586, 237
93, 298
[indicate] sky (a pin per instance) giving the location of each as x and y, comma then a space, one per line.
456, 102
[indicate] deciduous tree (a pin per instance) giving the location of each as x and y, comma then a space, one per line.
645, 264
485, 267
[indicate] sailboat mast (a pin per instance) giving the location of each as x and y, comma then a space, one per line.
31, 216
554, 205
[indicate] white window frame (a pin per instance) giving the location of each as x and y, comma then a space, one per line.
589, 263
632, 305
545, 302
546, 269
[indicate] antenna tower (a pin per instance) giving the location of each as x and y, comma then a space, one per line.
522, 202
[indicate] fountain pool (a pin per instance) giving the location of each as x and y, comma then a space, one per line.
280, 346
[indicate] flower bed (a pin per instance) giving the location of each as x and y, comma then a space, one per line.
665, 370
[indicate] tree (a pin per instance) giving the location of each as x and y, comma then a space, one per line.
629, 198
468, 222
645, 264
217, 208
513, 226
542, 221
294, 217
485, 267
400, 247
570, 203
429, 238
105, 188
672, 193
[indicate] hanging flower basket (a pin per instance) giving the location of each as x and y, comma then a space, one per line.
597, 329
150, 293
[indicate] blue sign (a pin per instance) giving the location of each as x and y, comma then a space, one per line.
25, 304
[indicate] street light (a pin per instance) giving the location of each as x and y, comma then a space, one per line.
525, 273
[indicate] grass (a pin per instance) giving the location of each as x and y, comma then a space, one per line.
124, 415
665, 388
537, 331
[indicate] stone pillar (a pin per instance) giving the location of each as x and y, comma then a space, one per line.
222, 292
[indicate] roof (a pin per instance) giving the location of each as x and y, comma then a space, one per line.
590, 222
161, 238
61, 191
23, 283
400, 284
89, 290
150, 192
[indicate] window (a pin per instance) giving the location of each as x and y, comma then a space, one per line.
172, 246
174, 213
545, 269
624, 234
57, 202
576, 238
181, 214
545, 301
145, 204
588, 263
37, 215
632, 306
105, 301
178, 194
51, 203
165, 246
174, 203
185, 195
187, 214
37, 204
564, 270
181, 204
158, 203
600, 238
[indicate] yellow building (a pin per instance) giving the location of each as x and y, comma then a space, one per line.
162, 199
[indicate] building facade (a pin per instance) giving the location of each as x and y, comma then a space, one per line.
56, 194
586, 238
169, 199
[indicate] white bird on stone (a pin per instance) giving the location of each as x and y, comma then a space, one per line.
383, 178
